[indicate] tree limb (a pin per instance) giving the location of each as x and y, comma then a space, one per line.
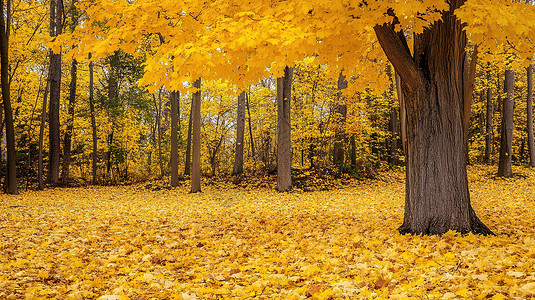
398, 54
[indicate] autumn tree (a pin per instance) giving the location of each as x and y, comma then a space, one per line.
174, 98
284, 147
11, 174
56, 27
240, 132
426, 43
506, 144
437, 197
196, 138
67, 140
529, 123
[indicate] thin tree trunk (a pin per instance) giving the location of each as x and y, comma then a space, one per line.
437, 197
174, 98
284, 154
506, 142
11, 172
196, 139
67, 140
468, 88
253, 153
40, 167
488, 133
531, 143
109, 153
93, 123
187, 164
159, 127
402, 114
240, 131
56, 17
341, 111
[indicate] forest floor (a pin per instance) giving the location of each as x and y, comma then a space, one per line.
237, 242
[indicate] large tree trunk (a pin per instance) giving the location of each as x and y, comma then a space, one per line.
174, 98
240, 132
67, 140
187, 163
506, 143
531, 143
488, 133
284, 155
56, 21
93, 124
437, 196
11, 172
196, 139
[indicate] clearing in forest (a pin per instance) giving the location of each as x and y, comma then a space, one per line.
237, 243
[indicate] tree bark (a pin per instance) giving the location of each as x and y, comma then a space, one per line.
40, 167
11, 172
93, 124
284, 155
159, 127
174, 98
187, 164
251, 139
67, 140
488, 133
468, 88
56, 20
437, 197
402, 114
240, 132
196, 139
531, 143
506, 142
341, 111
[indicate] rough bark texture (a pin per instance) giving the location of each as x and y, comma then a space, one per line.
531, 143
240, 132
437, 196
174, 98
488, 133
284, 155
11, 174
506, 142
56, 19
67, 140
93, 123
196, 139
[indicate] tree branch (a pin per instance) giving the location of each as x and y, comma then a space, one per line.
398, 54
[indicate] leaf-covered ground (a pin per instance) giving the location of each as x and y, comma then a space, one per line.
236, 243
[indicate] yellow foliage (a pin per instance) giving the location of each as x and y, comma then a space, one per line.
133, 242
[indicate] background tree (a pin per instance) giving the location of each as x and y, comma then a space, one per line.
240, 132
11, 174
284, 128
506, 144
56, 27
196, 138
